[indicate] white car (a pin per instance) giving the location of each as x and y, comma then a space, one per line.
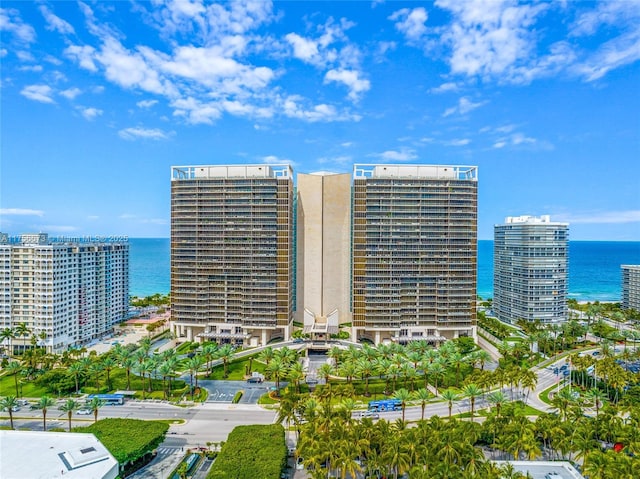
83, 411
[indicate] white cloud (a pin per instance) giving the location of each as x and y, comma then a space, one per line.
458, 142
351, 79
93, 217
41, 93
56, 23
620, 51
71, 93
11, 22
463, 107
90, 113
336, 160
84, 55
411, 23
146, 103
3, 52
127, 216
21, 212
30, 68
403, 154
303, 48
445, 87
144, 133
492, 39
293, 108
600, 217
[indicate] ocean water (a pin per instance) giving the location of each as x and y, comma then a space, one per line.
594, 267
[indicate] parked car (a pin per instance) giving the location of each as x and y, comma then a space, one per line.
254, 379
83, 411
13, 409
371, 414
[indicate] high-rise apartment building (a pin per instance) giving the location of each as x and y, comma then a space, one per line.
66, 291
232, 261
530, 269
390, 251
414, 252
631, 286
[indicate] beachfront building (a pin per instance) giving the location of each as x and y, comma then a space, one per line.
323, 233
631, 286
414, 252
530, 269
67, 291
232, 261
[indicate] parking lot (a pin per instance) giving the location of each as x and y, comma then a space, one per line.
224, 391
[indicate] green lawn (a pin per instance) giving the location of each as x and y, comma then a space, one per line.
27, 388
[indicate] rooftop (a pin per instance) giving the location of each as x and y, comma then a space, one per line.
59, 455
541, 469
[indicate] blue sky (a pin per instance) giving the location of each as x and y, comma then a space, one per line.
99, 99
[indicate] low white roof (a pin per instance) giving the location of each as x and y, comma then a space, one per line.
540, 469
48, 455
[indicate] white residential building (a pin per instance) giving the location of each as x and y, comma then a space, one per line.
67, 291
631, 286
530, 269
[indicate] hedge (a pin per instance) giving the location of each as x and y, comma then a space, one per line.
127, 439
252, 452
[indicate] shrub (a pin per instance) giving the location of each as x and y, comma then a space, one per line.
127, 439
252, 452
237, 397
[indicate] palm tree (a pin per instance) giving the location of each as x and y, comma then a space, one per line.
403, 396
472, 392
296, 374
76, 368
22, 331
450, 396
436, 370
277, 369
209, 352
422, 395
94, 405
69, 406
108, 364
9, 403
166, 370
95, 369
128, 363
8, 335
14, 368
226, 354
365, 368
325, 370
596, 396
266, 355
44, 403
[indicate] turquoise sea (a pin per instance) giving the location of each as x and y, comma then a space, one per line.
594, 267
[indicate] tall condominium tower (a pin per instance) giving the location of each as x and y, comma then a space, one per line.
631, 286
232, 261
530, 269
67, 291
323, 252
414, 250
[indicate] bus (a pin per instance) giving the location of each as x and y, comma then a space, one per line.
385, 405
109, 399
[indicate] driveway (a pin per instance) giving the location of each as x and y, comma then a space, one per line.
224, 391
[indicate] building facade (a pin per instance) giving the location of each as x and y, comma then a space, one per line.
631, 287
232, 261
67, 292
323, 252
530, 269
414, 252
